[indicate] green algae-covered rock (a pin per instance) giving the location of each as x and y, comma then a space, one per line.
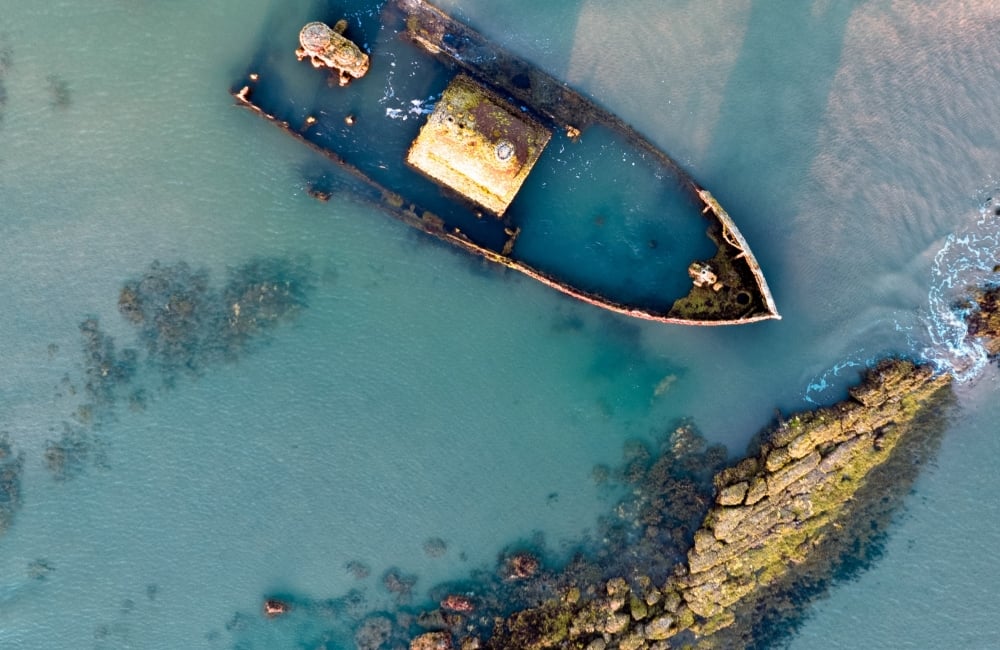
813, 484
788, 511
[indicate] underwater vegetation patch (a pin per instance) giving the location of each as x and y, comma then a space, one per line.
11, 467
59, 92
73, 451
183, 325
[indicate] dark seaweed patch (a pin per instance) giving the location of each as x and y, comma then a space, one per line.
40, 569
186, 325
6, 61
183, 325
11, 467
435, 547
59, 91
73, 451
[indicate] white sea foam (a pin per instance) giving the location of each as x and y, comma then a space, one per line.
818, 390
415, 107
966, 260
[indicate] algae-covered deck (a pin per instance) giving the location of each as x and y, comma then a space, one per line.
479, 145
464, 141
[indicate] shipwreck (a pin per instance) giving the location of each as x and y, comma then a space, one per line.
451, 134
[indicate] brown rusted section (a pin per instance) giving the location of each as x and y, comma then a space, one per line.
327, 47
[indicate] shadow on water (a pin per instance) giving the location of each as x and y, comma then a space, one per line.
779, 85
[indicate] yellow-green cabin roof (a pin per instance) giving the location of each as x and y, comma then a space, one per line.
478, 144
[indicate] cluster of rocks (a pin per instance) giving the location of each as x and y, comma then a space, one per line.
786, 511
702, 553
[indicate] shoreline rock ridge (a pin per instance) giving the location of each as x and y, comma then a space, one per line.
816, 488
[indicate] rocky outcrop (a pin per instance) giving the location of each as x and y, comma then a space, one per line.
984, 321
790, 508
799, 492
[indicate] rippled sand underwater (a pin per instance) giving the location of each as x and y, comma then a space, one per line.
409, 394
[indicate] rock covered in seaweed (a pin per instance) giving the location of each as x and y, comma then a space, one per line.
784, 516
984, 321
432, 641
804, 492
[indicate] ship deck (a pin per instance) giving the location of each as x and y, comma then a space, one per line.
604, 216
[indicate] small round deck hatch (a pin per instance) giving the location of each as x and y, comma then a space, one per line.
504, 150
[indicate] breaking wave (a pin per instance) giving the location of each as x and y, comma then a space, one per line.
967, 259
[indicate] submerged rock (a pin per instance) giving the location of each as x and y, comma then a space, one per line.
11, 467
274, 608
521, 566
374, 633
432, 641
984, 322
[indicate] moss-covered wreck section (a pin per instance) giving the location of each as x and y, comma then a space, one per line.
817, 488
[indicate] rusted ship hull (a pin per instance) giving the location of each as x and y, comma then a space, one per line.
342, 125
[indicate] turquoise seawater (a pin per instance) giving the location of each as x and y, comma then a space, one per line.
423, 394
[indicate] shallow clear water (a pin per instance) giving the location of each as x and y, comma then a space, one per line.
425, 394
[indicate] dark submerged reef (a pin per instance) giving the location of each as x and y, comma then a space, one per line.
11, 467
186, 325
183, 325
700, 552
